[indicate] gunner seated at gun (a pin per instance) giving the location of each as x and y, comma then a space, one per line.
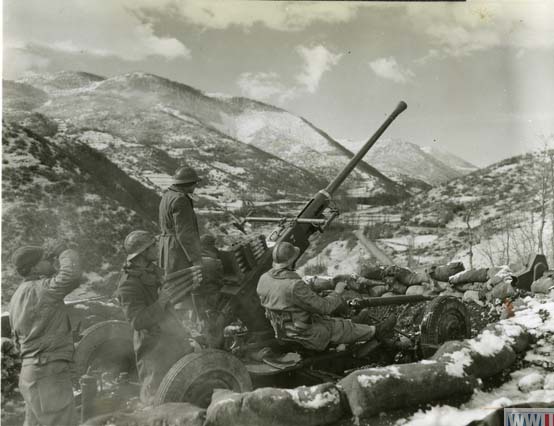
297, 313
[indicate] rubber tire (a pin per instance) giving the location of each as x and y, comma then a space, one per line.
432, 330
183, 382
111, 340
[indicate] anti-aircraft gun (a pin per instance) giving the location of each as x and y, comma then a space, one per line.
246, 261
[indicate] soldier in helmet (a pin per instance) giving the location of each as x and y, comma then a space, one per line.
180, 239
42, 331
299, 314
159, 338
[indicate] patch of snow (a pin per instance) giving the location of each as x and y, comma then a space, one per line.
459, 360
321, 399
446, 416
228, 168
488, 344
427, 361
531, 382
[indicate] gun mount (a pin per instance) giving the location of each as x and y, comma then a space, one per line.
244, 265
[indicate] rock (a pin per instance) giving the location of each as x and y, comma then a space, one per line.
549, 382
388, 294
531, 382
306, 406
472, 295
170, 414
415, 290
543, 285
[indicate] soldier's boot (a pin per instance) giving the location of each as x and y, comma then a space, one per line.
384, 329
363, 317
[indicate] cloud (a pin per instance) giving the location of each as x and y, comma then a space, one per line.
263, 86
107, 28
389, 69
283, 16
317, 60
465, 28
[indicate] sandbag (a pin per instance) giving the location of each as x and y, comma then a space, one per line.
374, 390
543, 284
372, 272
501, 291
470, 276
306, 406
479, 287
404, 276
378, 291
398, 288
415, 290
443, 272
484, 356
170, 414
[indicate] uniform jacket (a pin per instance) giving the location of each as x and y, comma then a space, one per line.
180, 242
293, 308
39, 317
159, 338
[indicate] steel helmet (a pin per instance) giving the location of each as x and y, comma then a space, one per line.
136, 242
185, 174
24, 258
284, 254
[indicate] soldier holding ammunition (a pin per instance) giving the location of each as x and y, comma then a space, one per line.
42, 331
159, 338
299, 314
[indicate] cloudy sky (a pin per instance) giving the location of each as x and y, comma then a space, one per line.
477, 76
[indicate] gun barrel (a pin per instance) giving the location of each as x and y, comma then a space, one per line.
335, 183
285, 219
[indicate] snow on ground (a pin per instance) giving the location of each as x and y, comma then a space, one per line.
402, 243
530, 384
339, 257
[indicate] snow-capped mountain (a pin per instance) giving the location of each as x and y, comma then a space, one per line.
402, 161
187, 124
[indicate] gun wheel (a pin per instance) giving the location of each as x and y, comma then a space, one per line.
106, 346
195, 376
445, 318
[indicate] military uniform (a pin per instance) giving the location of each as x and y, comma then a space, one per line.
159, 338
180, 238
299, 314
42, 330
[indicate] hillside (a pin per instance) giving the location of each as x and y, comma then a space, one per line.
148, 110
145, 141
61, 188
503, 204
408, 163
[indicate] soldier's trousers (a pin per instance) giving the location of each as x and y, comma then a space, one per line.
326, 330
48, 394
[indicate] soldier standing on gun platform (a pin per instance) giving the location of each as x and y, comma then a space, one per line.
159, 338
42, 331
180, 238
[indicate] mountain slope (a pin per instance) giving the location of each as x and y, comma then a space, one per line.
508, 188
61, 188
449, 159
146, 137
149, 110
404, 161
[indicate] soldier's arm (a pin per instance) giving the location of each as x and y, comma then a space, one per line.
307, 299
135, 310
185, 229
68, 277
